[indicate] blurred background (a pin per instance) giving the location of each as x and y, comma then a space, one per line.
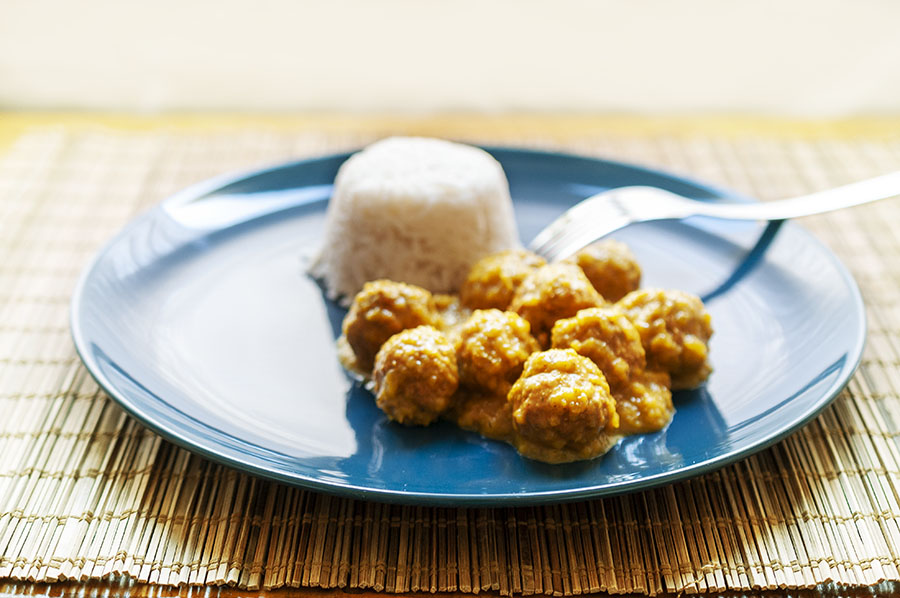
799, 58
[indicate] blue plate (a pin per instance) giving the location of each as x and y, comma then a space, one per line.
199, 319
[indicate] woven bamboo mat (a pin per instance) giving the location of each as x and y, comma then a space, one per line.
86, 492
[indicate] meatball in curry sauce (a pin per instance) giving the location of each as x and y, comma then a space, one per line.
493, 280
492, 348
558, 360
611, 268
675, 329
607, 337
415, 376
382, 309
550, 293
562, 409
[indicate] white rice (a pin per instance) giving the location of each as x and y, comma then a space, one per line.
414, 210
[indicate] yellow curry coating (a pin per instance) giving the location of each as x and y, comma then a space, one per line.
645, 403
492, 348
451, 313
607, 337
675, 329
382, 309
415, 376
611, 268
562, 409
493, 280
487, 414
550, 293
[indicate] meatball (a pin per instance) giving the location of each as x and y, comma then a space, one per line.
382, 309
611, 268
562, 409
415, 376
492, 348
645, 404
607, 337
451, 313
493, 280
551, 293
487, 414
675, 329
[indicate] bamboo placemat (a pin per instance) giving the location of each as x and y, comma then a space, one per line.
87, 492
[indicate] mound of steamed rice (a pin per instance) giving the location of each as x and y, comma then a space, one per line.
414, 210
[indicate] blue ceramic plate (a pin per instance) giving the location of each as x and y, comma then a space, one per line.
199, 319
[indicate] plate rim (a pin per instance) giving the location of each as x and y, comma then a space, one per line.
356, 491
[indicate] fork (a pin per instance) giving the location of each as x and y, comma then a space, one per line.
608, 211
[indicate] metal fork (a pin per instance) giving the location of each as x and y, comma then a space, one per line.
603, 213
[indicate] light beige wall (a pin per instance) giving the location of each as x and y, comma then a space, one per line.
797, 57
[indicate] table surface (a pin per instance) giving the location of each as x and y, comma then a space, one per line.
124, 589
549, 127
518, 126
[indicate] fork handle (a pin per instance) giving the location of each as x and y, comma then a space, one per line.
846, 196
